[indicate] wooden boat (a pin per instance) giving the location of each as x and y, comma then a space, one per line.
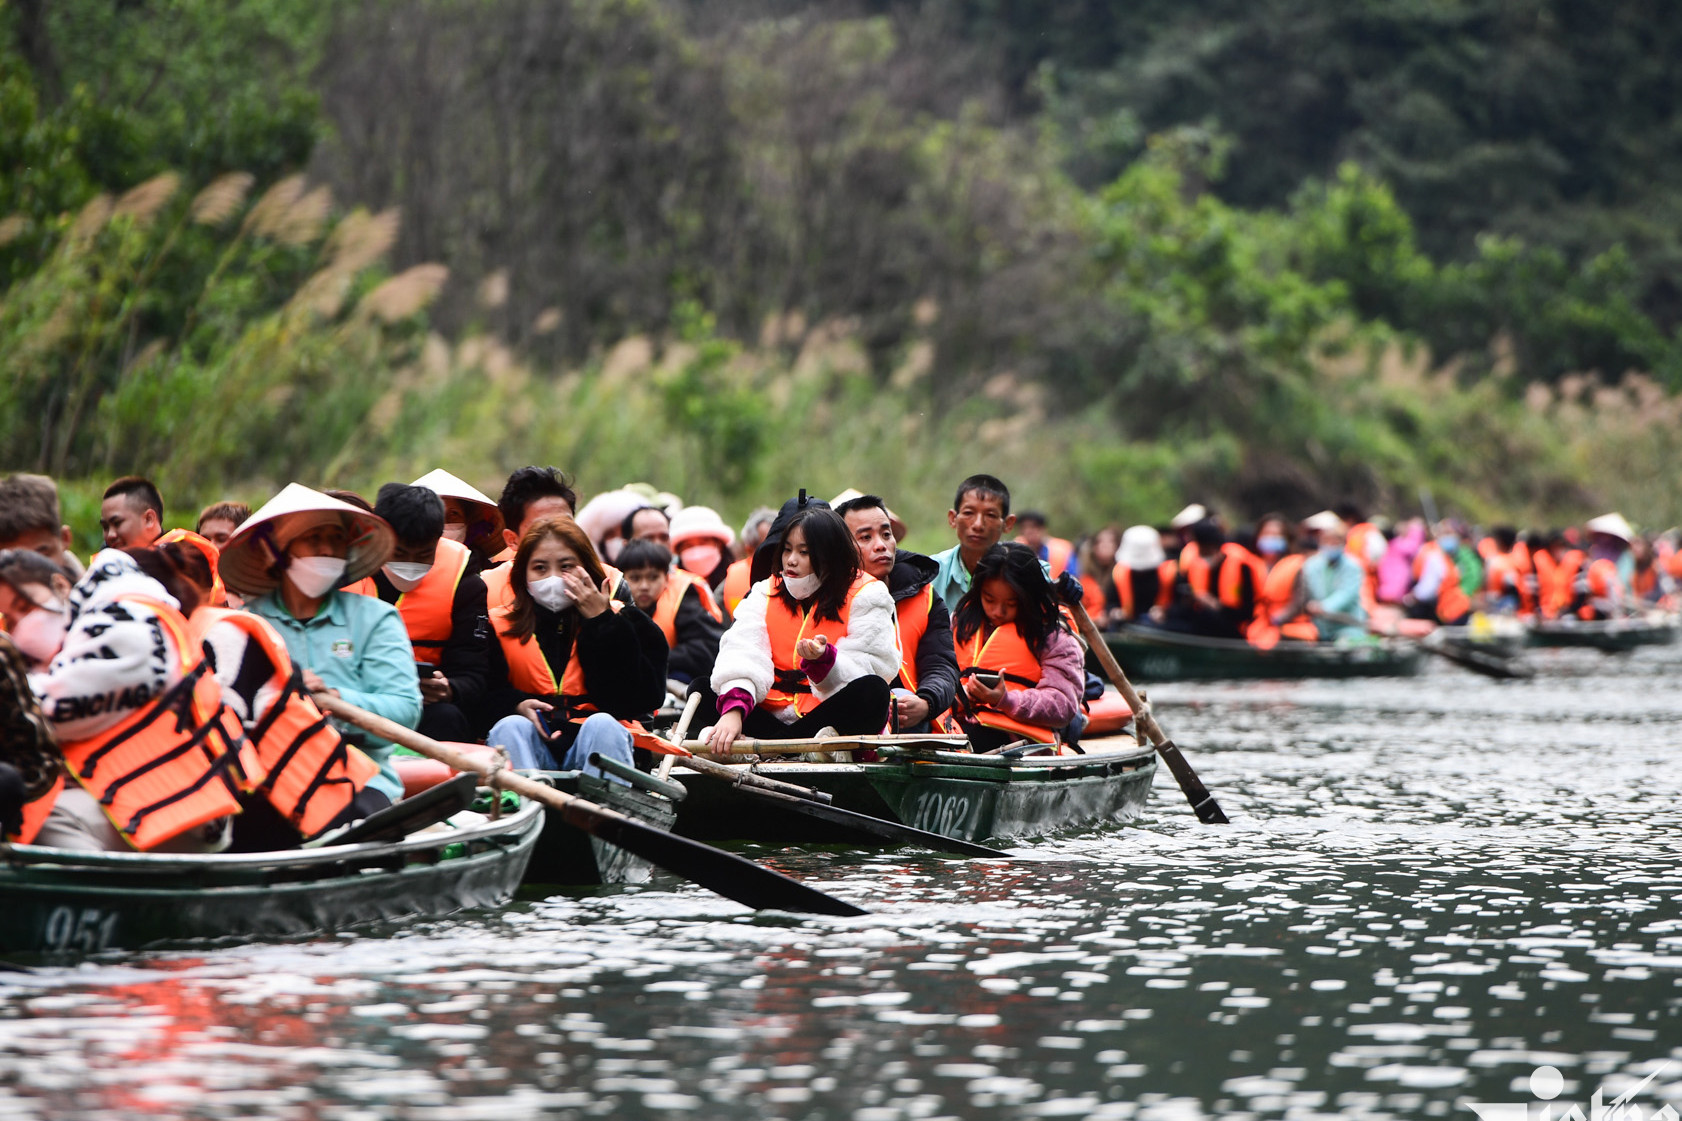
957, 794
1150, 654
1614, 636
61, 900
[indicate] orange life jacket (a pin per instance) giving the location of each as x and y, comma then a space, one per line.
1003, 652
530, 672
35, 813
786, 626
665, 608
312, 773
1058, 552
737, 584
1501, 572
913, 615
1276, 594
1558, 581
175, 764
1646, 583
1230, 589
1599, 581
1092, 596
1453, 603
1166, 573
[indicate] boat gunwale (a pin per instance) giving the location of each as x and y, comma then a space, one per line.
943, 764
44, 856
1287, 650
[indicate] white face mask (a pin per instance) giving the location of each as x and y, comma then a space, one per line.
40, 634
315, 576
551, 592
406, 576
456, 531
802, 587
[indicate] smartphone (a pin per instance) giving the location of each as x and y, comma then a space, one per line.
543, 722
991, 680
425, 670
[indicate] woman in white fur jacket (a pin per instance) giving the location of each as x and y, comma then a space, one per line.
814, 645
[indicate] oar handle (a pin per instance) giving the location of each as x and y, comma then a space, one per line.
690, 707
576, 811
741, 776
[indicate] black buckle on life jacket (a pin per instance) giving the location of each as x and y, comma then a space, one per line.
792, 681
177, 699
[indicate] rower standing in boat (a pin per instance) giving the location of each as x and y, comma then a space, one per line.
928, 675
813, 646
1021, 669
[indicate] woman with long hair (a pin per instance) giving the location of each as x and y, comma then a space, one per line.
813, 645
1022, 671
1097, 557
572, 663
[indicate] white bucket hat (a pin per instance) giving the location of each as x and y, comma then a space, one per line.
1141, 548
603, 514
446, 485
1612, 525
1322, 521
252, 559
700, 523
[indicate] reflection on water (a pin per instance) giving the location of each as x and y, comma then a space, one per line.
1430, 888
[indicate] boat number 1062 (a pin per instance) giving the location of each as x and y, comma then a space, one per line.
79, 928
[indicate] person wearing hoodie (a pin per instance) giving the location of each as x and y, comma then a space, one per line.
928, 676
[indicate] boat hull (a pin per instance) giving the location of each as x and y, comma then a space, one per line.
566, 856
973, 798
1147, 654
61, 901
1613, 636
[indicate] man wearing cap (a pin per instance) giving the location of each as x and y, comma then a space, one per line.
429, 579
290, 559
928, 678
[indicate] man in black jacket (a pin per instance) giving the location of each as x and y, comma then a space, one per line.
442, 601
928, 679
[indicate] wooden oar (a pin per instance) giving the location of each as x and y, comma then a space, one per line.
1203, 803
726, 873
1478, 661
747, 746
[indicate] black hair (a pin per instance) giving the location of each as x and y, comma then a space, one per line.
415, 513
139, 490
526, 486
165, 566
1207, 533
834, 556
862, 502
1505, 537
625, 526
1033, 517
639, 554
1350, 513
351, 497
1037, 613
987, 487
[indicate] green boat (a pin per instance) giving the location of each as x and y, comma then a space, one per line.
566, 856
972, 797
62, 900
1614, 636
1150, 654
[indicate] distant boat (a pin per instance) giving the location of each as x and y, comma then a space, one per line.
1152, 654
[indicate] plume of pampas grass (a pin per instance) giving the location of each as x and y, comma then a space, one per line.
12, 227
362, 239
406, 293
224, 195
547, 321
266, 217
142, 203
91, 220
324, 293
493, 290
303, 220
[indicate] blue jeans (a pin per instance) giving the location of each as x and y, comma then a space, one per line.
600, 735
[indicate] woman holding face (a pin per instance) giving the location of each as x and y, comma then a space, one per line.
572, 663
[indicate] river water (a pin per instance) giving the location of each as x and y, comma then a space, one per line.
1430, 889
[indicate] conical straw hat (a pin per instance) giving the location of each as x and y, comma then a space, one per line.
251, 561
1612, 525
446, 485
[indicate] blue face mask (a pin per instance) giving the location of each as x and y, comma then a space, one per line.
1270, 544
1332, 553
1449, 544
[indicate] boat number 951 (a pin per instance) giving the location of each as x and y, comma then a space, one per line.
79, 928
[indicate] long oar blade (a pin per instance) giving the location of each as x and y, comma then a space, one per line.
1203, 803
1488, 663
876, 826
726, 873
